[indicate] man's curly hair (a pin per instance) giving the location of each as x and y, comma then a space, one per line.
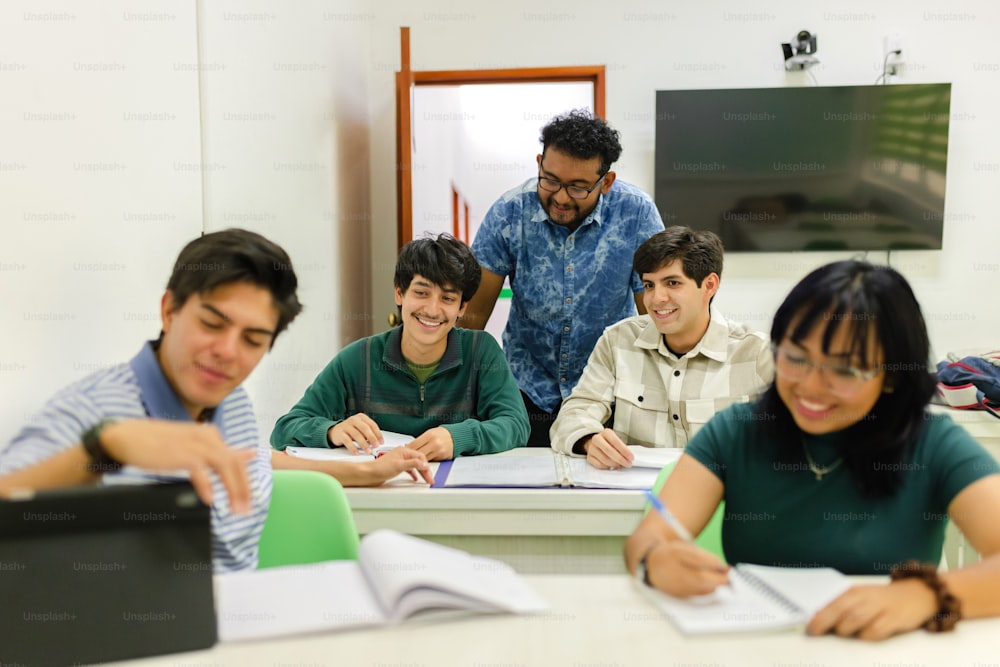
581, 135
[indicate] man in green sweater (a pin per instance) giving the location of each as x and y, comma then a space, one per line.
451, 389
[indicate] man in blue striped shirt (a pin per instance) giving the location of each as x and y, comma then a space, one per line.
566, 241
178, 405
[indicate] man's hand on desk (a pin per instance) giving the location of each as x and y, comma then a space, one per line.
435, 443
155, 444
357, 432
875, 612
606, 451
362, 472
402, 459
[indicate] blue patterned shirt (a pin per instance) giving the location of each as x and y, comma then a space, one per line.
567, 286
139, 390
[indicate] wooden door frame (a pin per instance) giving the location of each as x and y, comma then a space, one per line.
406, 79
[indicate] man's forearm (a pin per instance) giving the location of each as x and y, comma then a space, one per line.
67, 468
577, 421
348, 473
480, 306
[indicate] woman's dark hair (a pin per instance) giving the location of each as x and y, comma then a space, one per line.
235, 256
444, 260
878, 306
581, 135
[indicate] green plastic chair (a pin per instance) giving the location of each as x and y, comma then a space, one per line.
309, 521
710, 539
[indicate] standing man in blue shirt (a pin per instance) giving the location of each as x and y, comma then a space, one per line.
566, 241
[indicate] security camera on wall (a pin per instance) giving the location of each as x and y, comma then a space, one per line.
799, 53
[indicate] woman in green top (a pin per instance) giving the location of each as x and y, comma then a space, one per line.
839, 464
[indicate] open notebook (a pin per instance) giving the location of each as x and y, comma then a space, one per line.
554, 470
392, 440
395, 577
758, 598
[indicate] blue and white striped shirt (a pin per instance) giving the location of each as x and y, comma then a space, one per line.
139, 390
567, 286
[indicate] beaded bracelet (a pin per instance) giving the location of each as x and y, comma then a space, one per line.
949, 611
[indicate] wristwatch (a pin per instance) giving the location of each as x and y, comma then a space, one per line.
100, 461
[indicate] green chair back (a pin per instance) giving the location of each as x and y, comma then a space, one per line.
710, 538
309, 520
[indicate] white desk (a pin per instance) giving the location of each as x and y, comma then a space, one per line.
593, 621
549, 531
567, 531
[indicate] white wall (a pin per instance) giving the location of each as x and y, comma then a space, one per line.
648, 46
285, 113
106, 171
99, 185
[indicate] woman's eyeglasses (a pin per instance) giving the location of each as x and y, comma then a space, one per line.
841, 379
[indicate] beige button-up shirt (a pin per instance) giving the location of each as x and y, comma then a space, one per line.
661, 400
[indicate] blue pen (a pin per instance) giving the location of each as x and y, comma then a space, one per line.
669, 518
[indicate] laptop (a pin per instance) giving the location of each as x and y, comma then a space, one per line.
100, 573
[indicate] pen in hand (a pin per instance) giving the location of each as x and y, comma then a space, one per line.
669, 518
704, 571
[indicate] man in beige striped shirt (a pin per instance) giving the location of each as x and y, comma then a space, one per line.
665, 373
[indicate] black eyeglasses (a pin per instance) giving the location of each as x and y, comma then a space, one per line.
574, 191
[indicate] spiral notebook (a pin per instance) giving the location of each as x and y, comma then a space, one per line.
757, 598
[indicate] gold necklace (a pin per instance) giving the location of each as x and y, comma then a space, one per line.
818, 470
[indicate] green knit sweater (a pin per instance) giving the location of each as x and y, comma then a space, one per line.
472, 394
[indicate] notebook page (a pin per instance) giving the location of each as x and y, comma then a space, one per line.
392, 441
503, 471
485, 585
654, 457
331, 454
734, 608
809, 588
583, 474
409, 574
759, 597
294, 599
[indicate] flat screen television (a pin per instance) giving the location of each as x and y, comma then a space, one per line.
806, 168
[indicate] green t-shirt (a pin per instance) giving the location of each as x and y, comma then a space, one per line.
777, 513
422, 371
